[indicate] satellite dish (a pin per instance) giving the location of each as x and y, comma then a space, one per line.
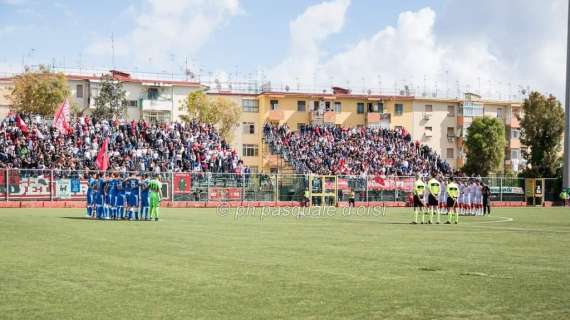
287, 88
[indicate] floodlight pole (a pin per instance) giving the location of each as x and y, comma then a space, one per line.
566, 176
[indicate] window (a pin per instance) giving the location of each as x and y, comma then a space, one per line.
248, 127
515, 154
250, 105
429, 108
158, 116
337, 106
301, 106
130, 103
450, 154
399, 109
472, 109
451, 132
79, 91
500, 113
254, 169
370, 107
152, 93
380, 107
360, 107
250, 150
451, 111
430, 129
274, 104
515, 133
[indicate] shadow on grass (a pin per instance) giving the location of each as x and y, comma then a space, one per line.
109, 220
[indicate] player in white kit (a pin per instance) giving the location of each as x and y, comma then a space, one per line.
443, 195
478, 202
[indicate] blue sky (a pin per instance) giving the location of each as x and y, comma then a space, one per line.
384, 43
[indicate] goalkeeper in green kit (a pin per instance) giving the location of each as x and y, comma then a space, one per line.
154, 186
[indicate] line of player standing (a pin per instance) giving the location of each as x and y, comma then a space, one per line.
117, 198
435, 197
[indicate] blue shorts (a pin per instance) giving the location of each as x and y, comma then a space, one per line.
119, 200
132, 199
145, 200
99, 199
90, 198
109, 199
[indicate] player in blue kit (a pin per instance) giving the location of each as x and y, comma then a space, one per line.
99, 189
91, 181
108, 198
145, 202
120, 198
131, 185
112, 185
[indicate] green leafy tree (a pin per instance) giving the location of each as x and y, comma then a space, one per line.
485, 146
39, 92
542, 127
221, 112
111, 101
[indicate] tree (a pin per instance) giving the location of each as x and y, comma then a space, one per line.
111, 101
220, 112
542, 127
39, 92
229, 113
485, 146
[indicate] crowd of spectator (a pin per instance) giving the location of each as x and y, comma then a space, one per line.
133, 146
329, 150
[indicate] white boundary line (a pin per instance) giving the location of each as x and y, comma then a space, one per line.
505, 219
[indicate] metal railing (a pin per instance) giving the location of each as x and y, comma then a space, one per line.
72, 185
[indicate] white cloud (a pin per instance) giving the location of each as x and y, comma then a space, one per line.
492, 53
163, 28
5, 30
307, 33
13, 2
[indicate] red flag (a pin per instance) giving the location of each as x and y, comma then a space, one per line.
102, 160
60, 119
379, 180
21, 124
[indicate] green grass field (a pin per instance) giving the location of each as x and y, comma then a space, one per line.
196, 264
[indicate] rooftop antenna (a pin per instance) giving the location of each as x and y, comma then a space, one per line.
113, 49
186, 67
447, 83
479, 85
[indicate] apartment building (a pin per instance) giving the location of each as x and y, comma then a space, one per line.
440, 123
149, 99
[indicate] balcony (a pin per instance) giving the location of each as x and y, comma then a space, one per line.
156, 105
323, 117
330, 117
460, 121
374, 117
276, 115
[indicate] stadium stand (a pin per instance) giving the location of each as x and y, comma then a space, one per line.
133, 146
329, 150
